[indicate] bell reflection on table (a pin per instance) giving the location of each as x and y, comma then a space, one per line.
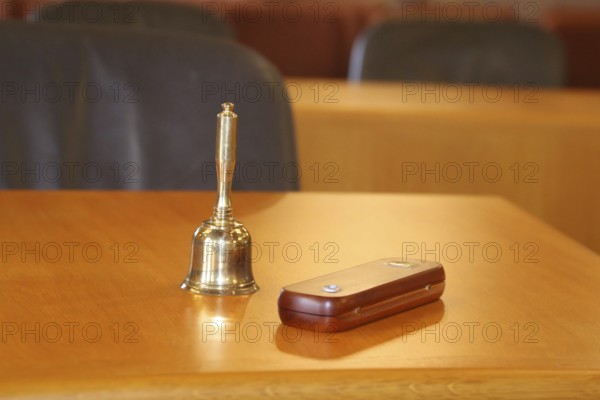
217, 309
221, 259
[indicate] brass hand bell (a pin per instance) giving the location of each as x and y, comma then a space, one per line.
221, 259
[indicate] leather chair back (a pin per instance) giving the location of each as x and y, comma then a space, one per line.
501, 53
97, 108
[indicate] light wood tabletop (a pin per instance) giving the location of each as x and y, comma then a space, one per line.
536, 147
91, 307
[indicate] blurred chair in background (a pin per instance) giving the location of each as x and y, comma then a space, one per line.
498, 53
134, 15
96, 108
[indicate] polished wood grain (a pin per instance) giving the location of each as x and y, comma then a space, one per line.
521, 323
535, 147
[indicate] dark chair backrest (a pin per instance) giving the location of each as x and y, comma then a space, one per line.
501, 53
98, 108
134, 15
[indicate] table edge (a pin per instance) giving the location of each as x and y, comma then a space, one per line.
356, 384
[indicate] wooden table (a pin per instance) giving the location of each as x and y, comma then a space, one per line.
90, 302
537, 148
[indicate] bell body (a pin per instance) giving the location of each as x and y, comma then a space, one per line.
221, 260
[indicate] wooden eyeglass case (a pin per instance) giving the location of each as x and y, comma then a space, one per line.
358, 295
